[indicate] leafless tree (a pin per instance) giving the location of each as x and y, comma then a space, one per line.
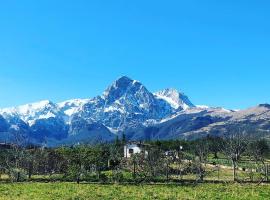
258, 151
149, 166
17, 154
234, 145
201, 156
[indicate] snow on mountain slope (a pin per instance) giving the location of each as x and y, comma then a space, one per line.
44, 109
202, 106
31, 112
125, 105
71, 107
175, 99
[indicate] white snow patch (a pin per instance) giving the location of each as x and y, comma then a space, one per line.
174, 104
71, 111
46, 116
134, 82
112, 109
202, 106
15, 127
112, 130
73, 102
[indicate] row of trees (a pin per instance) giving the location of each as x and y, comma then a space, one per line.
164, 161
237, 147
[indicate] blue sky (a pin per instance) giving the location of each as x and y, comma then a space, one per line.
217, 52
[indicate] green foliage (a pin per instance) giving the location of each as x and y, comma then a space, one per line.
45, 191
192, 160
17, 175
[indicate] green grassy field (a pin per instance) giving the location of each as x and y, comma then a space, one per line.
32, 191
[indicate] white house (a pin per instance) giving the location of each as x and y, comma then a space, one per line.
133, 148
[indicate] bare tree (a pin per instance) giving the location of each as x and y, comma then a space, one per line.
258, 151
234, 146
201, 156
149, 166
17, 152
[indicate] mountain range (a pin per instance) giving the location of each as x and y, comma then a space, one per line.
126, 107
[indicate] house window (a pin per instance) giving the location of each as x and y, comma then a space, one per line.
130, 151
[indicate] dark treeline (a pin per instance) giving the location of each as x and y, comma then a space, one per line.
159, 161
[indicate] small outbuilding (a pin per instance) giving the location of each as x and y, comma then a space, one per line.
132, 148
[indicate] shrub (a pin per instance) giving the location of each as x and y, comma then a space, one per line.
17, 175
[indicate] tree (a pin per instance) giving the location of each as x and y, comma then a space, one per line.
124, 139
214, 145
153, 163
29, 161
234, 146
74, 157
259, 150
201, 153
17, 154
116, 160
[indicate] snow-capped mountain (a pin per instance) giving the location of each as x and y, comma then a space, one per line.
31, 112
73, 106
126, 103
176, 99
200, 122
126, 106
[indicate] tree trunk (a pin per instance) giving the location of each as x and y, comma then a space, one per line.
201, 174
266, 172
167, 173
29, 174
30, 170
215, 155
98, 172
234, 171
78, 179
18, 177
134, 170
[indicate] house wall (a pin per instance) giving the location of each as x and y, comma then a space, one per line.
135, 148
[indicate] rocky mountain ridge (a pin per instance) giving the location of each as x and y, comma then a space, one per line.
126, 106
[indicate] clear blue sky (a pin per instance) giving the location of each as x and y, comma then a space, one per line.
217, 52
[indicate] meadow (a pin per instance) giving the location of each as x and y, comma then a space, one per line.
101, 172
54, 191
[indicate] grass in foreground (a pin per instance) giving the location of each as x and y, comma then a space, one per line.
23, 191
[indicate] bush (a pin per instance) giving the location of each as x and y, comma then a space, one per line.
116, 176
103, 178
17, 175
90, 177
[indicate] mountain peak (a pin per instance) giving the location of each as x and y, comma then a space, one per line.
265, 105
39, 110
26, 107
124, 79
42, 103
170, 91
120, 87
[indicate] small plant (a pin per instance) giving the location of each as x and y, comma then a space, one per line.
17, 175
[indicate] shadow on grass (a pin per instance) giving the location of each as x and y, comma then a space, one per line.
183, 182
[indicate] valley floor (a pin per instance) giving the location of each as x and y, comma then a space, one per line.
44, 191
